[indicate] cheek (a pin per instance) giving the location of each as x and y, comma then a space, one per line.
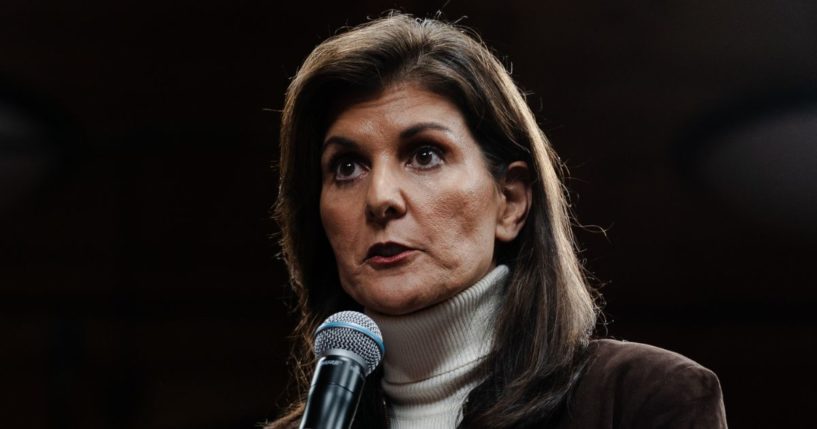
337, 222
462, 218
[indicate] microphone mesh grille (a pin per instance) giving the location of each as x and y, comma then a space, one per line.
350, 339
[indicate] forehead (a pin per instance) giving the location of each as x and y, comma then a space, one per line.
394, 107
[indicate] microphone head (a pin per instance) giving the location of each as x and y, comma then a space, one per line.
354, 332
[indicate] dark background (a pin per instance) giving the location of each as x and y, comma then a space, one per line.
139, 285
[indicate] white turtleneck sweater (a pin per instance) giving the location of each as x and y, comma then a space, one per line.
432, 355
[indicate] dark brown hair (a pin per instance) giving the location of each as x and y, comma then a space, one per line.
548, 312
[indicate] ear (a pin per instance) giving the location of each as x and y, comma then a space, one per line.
516, 197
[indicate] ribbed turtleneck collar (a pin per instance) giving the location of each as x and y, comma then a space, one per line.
431, 354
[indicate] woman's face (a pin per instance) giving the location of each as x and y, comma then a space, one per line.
407, 202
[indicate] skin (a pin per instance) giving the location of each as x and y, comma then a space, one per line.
402, 167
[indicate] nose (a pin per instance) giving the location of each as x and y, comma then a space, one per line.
384, 198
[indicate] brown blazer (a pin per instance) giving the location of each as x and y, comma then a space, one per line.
636, 386
633, 386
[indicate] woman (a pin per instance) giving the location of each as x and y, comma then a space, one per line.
415, 185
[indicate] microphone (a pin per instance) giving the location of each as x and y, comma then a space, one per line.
349, 346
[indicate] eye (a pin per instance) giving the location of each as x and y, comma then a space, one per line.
346, 168
426, 157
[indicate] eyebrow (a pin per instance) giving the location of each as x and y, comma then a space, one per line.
422, 126
404, 135
339, 140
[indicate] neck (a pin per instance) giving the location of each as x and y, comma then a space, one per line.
432, 355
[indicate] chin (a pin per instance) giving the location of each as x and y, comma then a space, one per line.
389, 299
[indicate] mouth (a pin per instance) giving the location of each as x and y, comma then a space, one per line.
389, 253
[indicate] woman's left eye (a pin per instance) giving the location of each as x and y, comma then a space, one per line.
426, 157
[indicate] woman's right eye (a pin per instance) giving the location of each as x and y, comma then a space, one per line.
347, 168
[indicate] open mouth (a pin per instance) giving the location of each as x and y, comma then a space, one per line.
387, 253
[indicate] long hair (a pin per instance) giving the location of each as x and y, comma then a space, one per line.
548, 312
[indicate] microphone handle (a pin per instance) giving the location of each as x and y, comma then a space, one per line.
335, 392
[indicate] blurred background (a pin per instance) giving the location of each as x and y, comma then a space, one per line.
139, 283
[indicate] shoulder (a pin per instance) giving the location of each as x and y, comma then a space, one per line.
633, 385
643, 365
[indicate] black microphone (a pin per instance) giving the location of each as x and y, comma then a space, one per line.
349, 347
